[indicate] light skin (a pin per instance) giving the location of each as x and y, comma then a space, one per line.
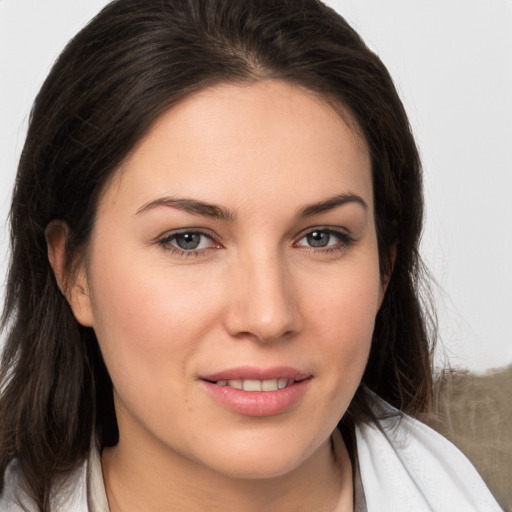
239, 232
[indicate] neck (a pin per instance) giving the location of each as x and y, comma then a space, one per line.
163, 480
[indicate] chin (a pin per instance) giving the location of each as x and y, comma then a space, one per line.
259, 467
259, 458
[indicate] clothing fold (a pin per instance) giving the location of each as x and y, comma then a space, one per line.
405, 465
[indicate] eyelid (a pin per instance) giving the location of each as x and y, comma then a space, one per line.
179, 231
334, 230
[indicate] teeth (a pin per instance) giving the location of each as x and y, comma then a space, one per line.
282, 383
269, 385
237, 384
252, 385
257, 385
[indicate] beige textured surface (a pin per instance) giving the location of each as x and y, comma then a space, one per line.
475, 413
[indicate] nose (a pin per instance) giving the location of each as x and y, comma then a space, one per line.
263, 304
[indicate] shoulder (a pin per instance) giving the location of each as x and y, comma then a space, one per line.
404, 463
69, 494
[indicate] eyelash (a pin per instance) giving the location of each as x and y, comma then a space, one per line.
344, 242
166, 243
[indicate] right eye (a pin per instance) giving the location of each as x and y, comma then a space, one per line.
188, 242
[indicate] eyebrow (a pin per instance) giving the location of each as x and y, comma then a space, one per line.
218, 212
331, 204
191, 206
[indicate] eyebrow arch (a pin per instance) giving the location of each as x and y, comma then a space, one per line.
191, 206
330, 204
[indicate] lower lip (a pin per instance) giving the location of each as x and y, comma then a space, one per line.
257, 403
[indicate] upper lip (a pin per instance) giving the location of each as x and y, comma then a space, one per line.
255, 373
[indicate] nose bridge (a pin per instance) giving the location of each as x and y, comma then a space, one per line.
263, 303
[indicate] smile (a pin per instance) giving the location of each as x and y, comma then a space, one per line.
257, 385
251, 391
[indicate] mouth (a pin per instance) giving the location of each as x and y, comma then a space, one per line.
257, 392
252, 385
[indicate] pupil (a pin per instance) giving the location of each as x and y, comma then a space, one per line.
188, 241
318, 239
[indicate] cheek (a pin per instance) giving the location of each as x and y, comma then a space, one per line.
148, 320
339, 321
342, 315
348, 297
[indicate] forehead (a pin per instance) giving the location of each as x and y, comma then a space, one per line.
245, 140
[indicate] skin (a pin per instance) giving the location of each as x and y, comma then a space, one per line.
254, 293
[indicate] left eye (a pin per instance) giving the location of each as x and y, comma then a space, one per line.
189, 240
320, 238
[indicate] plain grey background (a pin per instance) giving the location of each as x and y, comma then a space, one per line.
452, 63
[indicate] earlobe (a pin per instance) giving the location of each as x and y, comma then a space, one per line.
73, 287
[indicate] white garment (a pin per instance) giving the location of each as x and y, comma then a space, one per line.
82, 491
404, 466
407, 467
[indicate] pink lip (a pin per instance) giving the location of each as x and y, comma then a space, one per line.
257, 403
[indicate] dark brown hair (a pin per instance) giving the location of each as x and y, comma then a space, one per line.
126, 67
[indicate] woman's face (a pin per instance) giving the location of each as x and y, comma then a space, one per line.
236, 247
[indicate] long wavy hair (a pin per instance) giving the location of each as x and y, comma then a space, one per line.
131, 63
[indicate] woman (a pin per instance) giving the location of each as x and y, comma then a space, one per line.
215, 229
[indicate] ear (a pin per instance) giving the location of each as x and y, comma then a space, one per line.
387, 277
74, 287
